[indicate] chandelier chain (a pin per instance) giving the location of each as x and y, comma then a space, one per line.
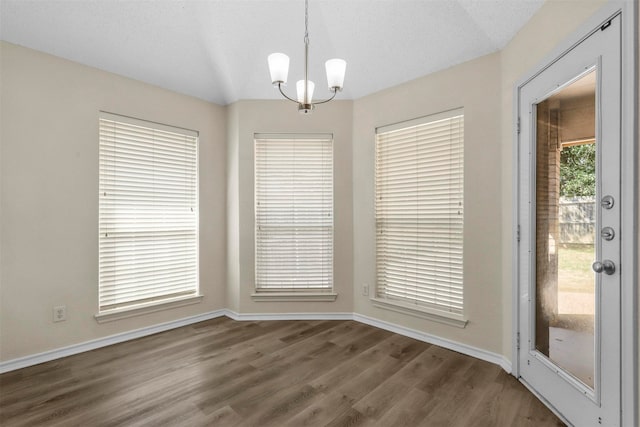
306, 21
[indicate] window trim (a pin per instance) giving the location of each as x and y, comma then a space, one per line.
286, 296
415, 310
294, 294
142, 309
407, 307
171, 301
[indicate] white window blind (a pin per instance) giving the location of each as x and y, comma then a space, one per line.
148, 214
419, 212
294, 213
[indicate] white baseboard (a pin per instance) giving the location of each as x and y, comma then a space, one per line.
287, 316
47, 356
506, 365
478, 353
35, 359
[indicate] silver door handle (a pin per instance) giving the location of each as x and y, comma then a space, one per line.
606, 266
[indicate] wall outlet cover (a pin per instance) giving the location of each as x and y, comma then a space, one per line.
59, 313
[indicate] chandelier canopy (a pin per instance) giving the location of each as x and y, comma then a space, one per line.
279, 70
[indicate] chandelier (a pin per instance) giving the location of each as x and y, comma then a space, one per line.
279, 69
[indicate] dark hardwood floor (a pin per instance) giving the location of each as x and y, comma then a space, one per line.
269, 373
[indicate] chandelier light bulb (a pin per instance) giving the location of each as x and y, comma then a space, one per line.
336, 69
300, 89
278, 67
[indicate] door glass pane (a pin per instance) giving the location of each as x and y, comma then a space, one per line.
565, 227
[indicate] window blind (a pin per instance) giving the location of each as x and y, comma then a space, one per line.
148, 213
294, 213
419, 212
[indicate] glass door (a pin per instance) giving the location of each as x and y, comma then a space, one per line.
565, 228
569, 217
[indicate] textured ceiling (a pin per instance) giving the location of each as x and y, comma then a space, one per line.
217, 49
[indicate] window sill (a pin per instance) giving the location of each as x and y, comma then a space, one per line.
141, 309
294, 296
450, 319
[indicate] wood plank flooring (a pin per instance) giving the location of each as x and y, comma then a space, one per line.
270, 373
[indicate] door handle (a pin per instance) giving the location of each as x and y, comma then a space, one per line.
607, 266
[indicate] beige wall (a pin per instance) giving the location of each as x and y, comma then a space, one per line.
483, 87
251, 117
48, 214
233, 210
472, 85
637, 142
49, 132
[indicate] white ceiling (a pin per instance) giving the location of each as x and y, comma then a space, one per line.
217, 49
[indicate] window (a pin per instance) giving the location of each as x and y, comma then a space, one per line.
148, 213
419, 215
294, 214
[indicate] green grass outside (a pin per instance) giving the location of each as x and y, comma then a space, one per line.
574, 269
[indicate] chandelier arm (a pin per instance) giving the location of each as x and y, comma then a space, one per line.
325, 100
285, 95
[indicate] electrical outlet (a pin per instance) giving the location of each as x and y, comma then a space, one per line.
365, 289
59, 313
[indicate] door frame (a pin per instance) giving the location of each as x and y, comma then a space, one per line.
629, 192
